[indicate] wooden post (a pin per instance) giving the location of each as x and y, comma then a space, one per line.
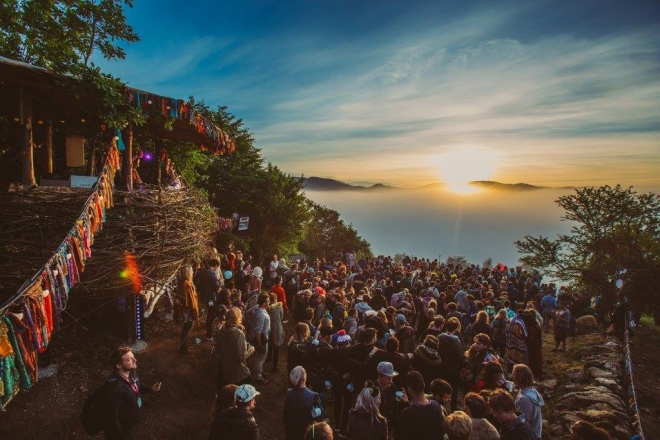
128, 160
25, 115
159, 164
49, 147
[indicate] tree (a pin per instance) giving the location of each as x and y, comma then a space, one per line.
327, 234
62, 35
615, 234
457, 260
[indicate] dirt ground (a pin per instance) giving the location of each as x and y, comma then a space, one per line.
181, 410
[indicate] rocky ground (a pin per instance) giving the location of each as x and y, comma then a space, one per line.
584, 383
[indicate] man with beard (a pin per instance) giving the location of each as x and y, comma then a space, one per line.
123, 401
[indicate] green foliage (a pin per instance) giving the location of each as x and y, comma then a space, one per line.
458, 260
62, 35
615, 235
282, 219
328, 235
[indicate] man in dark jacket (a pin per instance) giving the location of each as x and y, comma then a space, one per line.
123, 401
514, 426
208, 287
241, 424
452, 356
302, 406
422, 419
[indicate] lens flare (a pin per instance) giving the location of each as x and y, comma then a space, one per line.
132, 273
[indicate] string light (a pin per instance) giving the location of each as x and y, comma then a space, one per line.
40, 122
138, 318
82, 120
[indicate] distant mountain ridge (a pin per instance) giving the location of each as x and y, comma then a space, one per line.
325, 184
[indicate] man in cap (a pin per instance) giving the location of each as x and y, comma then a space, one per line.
302, 406
241, 424
388, 391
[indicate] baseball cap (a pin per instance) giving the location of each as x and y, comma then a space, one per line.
245, 393
386, 369
400, 318
295, 375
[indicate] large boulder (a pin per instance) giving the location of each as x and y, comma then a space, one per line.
586, 324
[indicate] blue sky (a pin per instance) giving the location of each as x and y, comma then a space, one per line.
549, 92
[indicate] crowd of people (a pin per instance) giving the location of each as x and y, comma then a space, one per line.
415, 349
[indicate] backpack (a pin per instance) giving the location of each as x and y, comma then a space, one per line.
92, 416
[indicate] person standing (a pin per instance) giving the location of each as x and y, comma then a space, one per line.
514, 426
365, 420
186, 300
278, 290
208, 287
302, 406
259, 333
123, 399
452, 356
224, 401
276, 339
272, 269
528, 401
423, 419
240, 422
233, 350
562, 325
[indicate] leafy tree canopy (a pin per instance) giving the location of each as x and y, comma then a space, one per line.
62, 35
615, 235
327, 235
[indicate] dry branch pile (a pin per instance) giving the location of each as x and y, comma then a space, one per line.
160, 229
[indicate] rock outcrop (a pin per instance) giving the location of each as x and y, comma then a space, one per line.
594, 393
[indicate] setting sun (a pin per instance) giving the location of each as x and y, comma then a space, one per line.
464, 164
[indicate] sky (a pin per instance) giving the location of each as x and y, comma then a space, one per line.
406, 93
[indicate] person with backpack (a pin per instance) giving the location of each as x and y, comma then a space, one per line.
117, 405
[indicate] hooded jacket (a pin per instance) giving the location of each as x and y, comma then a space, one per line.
427, 361
233, 354
529, 403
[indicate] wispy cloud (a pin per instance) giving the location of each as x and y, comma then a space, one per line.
378, 105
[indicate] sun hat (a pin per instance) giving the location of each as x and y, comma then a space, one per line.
245, 393
386, 369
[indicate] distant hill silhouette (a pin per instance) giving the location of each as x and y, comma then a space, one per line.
324, 184
506, 186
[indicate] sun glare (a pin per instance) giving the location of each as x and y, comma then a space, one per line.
463, 164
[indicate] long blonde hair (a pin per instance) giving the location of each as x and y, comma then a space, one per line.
187, 273
369, 401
